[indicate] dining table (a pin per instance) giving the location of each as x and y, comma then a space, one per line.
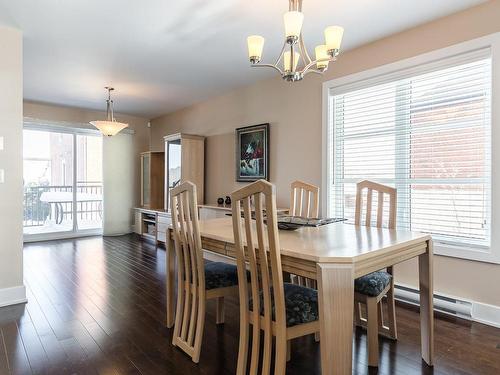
334, 255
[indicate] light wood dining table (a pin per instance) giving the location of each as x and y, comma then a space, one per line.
334, 255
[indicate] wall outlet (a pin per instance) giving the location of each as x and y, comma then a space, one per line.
2, 176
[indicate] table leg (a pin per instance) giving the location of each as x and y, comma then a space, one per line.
336, 309
170, 277
425, 270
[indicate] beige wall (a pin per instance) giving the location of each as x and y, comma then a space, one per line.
121, 162
11, 190
295, 111
118, 178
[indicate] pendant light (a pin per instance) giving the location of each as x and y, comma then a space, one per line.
110, 126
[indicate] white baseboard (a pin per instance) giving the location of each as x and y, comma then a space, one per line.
486, 314
452, 305
13, 296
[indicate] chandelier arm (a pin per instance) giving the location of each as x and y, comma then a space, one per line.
320, 72
268, 66
306, 68
303, 50
281, 53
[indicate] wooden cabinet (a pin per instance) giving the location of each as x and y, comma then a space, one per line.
152, 224
184, 161
152, 179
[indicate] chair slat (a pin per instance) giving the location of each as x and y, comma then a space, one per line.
251, 254
266, 285
298, 209
243, 287
380, 209
307, 210
369, 203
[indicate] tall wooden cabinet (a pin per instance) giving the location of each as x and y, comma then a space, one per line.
152, 179
184, 161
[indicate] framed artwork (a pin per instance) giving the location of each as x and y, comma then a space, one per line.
252, 153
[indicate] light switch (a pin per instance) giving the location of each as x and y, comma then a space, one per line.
2, 176
1, 143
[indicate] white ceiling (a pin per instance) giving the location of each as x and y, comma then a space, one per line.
162, 55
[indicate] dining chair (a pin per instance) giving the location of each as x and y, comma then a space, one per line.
304, 199
372, 288
268, 304
197, 281
304, 202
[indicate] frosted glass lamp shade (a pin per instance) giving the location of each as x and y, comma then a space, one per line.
293, 24
255, 45
287, 63
109, 128
321, 54
333, 37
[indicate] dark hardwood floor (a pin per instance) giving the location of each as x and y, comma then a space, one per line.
96, 306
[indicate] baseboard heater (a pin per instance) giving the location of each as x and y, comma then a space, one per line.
444, 304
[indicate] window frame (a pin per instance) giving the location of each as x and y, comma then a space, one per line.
434, 60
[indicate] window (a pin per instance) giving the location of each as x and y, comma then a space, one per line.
426, 130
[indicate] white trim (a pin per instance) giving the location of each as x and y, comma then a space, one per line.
451, 305
489, 41
325, 160
436, 58
13, 295
486, 314
61, 235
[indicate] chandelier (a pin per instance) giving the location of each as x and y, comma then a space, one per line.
295, 61
110, 126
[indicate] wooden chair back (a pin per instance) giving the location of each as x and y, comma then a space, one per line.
190, 313
381, 191
258, 246
304, 199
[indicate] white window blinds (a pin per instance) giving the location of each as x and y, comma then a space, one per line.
426, 132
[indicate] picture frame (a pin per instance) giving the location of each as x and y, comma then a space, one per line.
252, 153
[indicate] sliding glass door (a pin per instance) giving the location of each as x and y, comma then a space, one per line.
62, 183
88, 182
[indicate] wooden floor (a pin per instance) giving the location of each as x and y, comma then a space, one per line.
96, 306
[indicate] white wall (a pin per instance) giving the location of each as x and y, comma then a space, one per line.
11, 190
118, 181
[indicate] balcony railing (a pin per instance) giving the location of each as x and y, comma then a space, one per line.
54, 204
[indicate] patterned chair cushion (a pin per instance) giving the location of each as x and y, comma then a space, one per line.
372, 284
301, 304
221, 275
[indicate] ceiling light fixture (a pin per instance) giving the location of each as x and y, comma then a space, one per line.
110, 126
294, 50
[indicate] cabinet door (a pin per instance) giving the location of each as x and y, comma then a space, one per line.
145, 178
174, 156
